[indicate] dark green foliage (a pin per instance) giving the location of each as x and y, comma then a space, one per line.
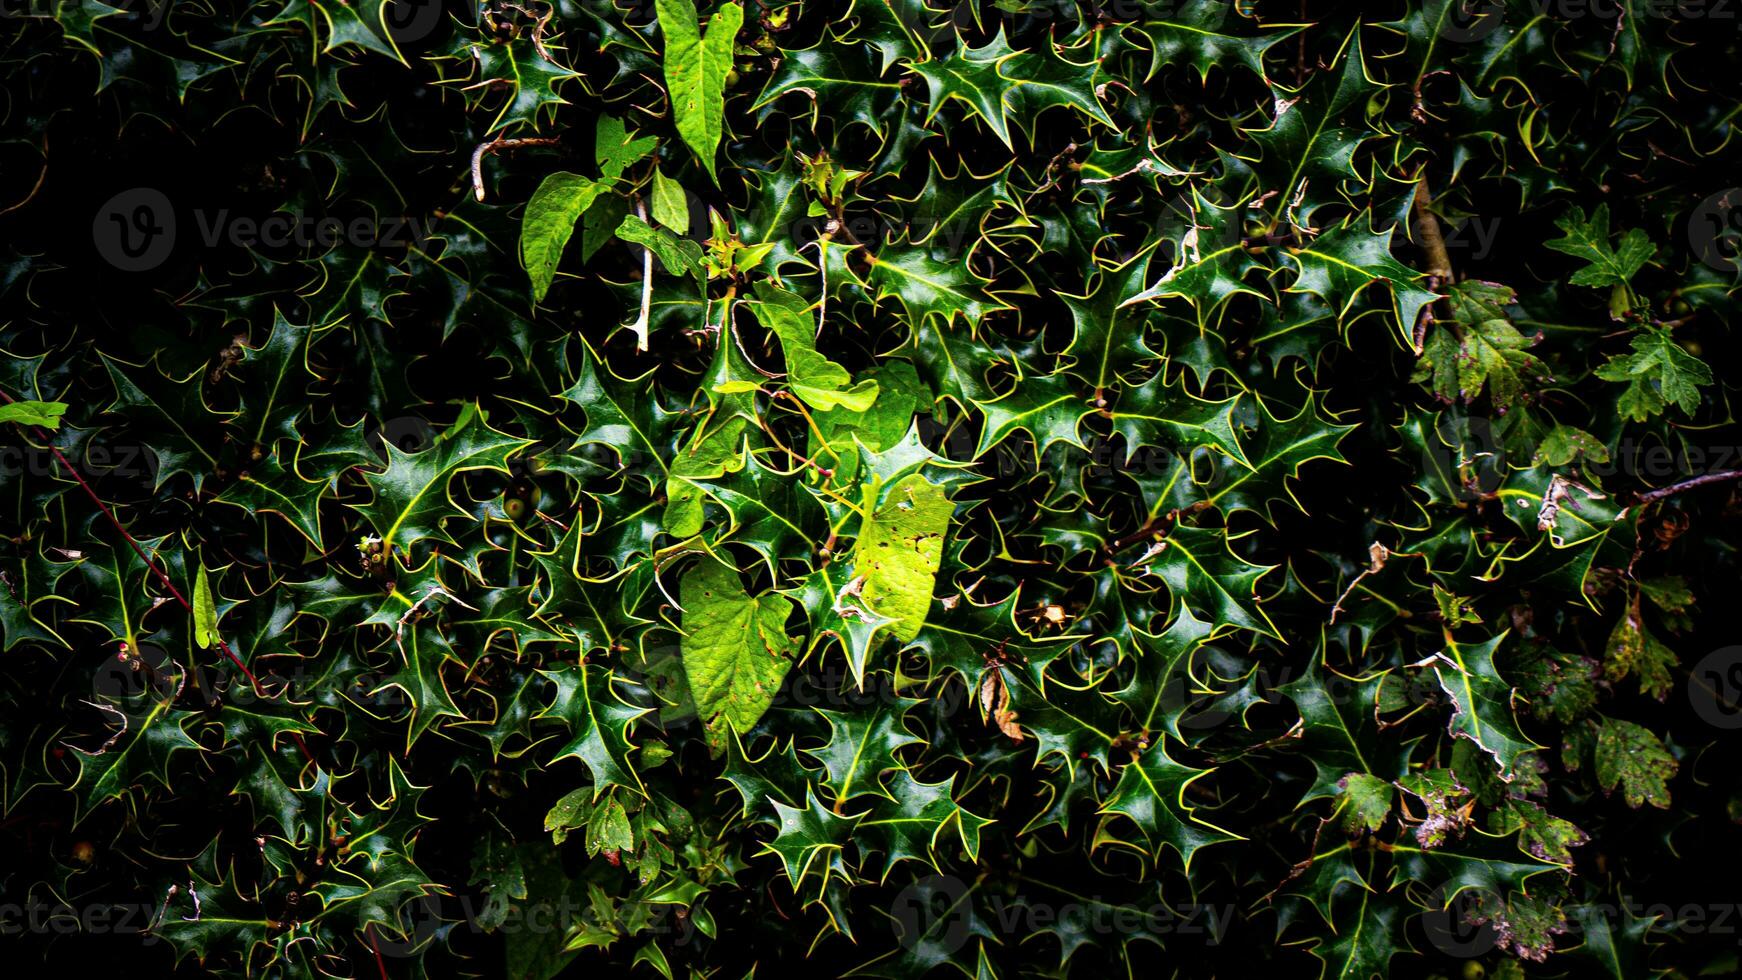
1036, 488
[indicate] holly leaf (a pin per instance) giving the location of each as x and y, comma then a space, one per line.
995, 80
1156, 413
1048, 408
862, 746
522, 69
1195, 34
411, 493
1309, 148
810, 839
587, 699
1200, 570
1340, 728
276, 375
928, 289
1482, 702
911, 821
1366, 932
170, 415
1151, 792
1158, 661
1340, 265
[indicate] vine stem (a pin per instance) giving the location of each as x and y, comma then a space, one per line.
501, 144
1675, 488
162, 576
1433, 245
1156, 527
1427, 228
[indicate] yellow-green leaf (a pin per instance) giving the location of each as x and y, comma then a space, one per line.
205, 611
550, 219
695, 72
670, 207
899, 550
735, 649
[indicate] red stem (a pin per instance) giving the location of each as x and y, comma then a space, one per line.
369, 930
161, 575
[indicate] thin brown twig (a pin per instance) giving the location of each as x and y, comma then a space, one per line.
1433, 245
538, 28
1699, 481
496, 145
41, 175
1427, 231
1158, 527
1377, 555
